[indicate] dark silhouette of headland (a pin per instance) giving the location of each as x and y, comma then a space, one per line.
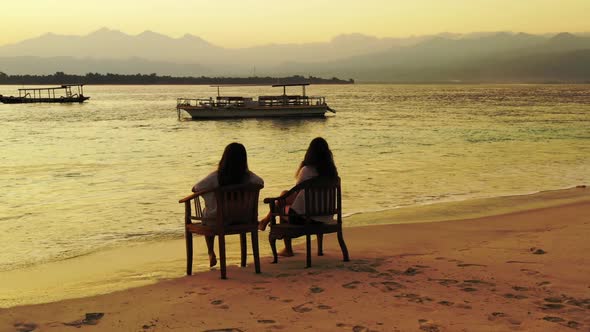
154, 79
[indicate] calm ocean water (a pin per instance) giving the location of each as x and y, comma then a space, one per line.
80, 178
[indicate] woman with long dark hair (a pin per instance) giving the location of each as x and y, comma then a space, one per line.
318, 161
232, 169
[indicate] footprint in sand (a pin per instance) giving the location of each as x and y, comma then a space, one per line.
538, 251
500, 315
571, 324
530, 272
90, 318
415, 298
361, 268
446, 303
469, 265
463, 306
469, 289
147, 327
411, 271
495, 315
356, 328
25, 327
553, 319
552, 306
445, 282
428, 326
582, 303
478, 282
553, 299
387, 286
514, 296
302, 308
381, 275
316, 289
521, 262
351, 285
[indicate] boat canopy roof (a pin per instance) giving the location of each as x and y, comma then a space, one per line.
64, 86
290, 84
274, 85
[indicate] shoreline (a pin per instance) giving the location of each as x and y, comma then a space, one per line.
433, 211
148, 262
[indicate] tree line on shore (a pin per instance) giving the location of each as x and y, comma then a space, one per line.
153, 79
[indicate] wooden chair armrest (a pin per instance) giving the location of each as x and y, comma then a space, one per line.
195, 194
188, 198
288, 193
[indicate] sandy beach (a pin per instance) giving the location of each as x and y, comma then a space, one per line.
509, 263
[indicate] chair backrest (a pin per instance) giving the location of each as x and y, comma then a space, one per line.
322, 196
238, 204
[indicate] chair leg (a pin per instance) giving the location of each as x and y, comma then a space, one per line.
255, 251
320, 244
222, 255
244, 249
342, 246
273, 247
308, 249
189, 252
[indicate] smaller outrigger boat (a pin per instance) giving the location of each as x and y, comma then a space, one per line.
47, 95
265, 106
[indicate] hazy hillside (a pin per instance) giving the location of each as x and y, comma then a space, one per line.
500, 56
519, 57
113, 44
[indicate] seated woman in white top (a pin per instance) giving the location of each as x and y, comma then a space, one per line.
232, 169
318, 161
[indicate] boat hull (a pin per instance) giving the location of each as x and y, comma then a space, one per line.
255, 112
22, 100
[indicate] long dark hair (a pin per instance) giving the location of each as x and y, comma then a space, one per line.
233, 166
320, 157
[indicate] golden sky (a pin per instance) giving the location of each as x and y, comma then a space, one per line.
241, 23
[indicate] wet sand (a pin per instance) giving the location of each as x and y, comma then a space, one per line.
519, 270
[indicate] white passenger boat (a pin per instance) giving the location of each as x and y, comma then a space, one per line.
265, 106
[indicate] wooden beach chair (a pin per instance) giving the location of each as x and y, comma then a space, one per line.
237, 213
322, 198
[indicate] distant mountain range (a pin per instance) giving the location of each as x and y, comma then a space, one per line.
476, 57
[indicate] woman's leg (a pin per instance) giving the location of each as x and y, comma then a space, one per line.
264, 221
288, 251
210, 243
